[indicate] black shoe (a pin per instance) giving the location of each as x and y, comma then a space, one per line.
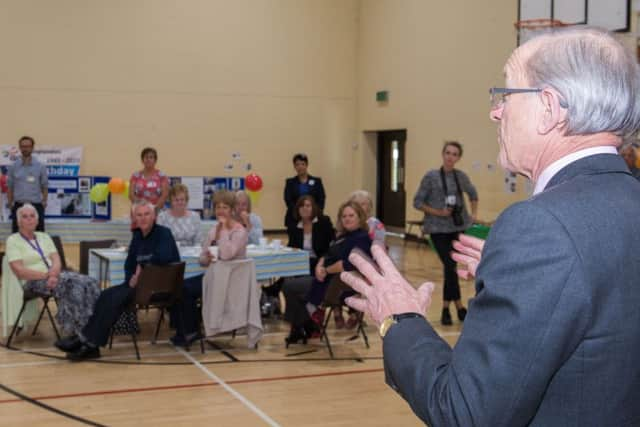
462, 313
193, 337
296, 335
68, 344
311, 329
178, 341
85, 352
446, 317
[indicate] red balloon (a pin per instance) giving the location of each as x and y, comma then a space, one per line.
253, 182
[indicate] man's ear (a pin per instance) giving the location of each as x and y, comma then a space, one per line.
554, 116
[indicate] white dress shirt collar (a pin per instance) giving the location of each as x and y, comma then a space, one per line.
556, 166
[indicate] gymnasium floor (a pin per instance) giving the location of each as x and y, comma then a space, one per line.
227, 386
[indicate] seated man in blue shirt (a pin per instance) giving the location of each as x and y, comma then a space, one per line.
151, 244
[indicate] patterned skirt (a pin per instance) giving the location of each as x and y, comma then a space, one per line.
75, 296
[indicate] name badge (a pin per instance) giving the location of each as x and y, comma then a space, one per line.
451, 200
31, 178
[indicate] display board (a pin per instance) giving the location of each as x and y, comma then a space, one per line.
69, 198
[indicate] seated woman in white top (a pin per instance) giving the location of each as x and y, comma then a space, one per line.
185, 225
251, 222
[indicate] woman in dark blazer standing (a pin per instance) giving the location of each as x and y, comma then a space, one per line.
313, 232
300, 185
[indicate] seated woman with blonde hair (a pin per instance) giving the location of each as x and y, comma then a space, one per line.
248, 219
231, 239
34, 266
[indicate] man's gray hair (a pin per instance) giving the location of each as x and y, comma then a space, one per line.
597, 77
140, 203
24, 208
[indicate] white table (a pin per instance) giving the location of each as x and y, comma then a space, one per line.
107, 265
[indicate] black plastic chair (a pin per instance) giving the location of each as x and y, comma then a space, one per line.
159, 286
57, 241
86, 246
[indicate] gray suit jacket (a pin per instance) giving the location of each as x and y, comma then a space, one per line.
552, 337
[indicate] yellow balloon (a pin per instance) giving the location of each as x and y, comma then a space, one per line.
254, 196
125, 193
99, 193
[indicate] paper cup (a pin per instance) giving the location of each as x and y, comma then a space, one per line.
277, 244
263, 242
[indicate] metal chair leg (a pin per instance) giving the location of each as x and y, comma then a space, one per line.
53, 323
160, 319
44, 307
361, 329
324, 332
135, 344
15, 325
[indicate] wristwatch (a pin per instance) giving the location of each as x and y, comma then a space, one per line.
389, 321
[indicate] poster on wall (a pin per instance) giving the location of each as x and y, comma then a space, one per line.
69, 198
202, 188
60, 161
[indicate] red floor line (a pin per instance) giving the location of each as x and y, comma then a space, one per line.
195, 385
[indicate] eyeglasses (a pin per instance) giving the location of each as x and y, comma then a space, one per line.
497, 95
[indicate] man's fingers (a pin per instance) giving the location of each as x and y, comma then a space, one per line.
385, 264
472, 242
464, 274
463, 259
364, 264
357, 303
467, 250
355, 282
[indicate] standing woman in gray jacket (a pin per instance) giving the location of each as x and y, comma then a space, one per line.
445, 216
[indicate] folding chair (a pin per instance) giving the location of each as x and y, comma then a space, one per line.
26, 298
86, 246
333, 301
30, 296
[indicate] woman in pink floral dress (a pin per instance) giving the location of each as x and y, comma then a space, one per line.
149, 183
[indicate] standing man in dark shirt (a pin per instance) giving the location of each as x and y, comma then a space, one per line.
299, 185
151, 244
27, 183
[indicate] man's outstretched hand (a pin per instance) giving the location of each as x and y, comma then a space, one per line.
383, 290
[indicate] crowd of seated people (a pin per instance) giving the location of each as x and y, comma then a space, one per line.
87, 315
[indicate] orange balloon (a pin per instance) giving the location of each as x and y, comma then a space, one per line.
116, 185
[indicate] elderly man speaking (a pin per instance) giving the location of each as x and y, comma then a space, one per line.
552, 337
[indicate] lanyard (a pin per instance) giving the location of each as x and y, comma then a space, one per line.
444, 183
36, 248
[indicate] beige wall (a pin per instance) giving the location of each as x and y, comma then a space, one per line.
197, 79
437, 60
200, 79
